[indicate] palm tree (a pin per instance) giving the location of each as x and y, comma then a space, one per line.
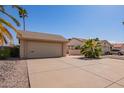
23, 14
91, 48
5, 35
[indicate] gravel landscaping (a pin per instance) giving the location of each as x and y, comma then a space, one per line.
13, 74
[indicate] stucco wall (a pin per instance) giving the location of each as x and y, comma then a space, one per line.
64, 46
74, 52
22, 48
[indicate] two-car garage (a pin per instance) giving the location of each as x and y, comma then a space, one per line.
44, 49
41, 45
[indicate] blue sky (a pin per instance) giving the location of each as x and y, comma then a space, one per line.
104, 22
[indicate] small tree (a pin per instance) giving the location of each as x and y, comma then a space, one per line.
91, 48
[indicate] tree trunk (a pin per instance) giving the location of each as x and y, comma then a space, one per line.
24, 23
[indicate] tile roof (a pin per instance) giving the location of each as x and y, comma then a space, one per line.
118, 45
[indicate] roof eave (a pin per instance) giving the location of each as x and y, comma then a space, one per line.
62, 41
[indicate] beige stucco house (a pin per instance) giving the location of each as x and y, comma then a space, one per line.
41, 45
73, 42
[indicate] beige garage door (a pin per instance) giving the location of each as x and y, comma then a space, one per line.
43, 49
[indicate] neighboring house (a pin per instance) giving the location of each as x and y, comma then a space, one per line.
106, 46
41, 45
118, 46
74, 42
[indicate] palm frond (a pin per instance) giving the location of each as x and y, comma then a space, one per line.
2, 8
4, 38
14, 19
17, 7
1, 39
9, 25
22, 11
6, 32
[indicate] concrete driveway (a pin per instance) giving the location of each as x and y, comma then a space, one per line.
73, 72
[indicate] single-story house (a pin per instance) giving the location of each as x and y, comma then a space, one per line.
41, 45
72, 44
119, 46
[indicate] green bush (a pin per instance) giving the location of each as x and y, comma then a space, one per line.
4, 53
15, 51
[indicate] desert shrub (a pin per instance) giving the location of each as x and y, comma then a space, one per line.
4, 52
